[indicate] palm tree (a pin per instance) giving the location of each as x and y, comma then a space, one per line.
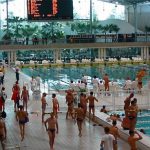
105, 29
80, 27
28, 30
53, 30
115, 28
15, 26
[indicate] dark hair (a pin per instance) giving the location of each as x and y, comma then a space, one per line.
79, 105
142, 130
134, 99
106, 129
94, 77
104, 106
131, 132
91, 93
132, 102
114, 122
44, 94
81, 94
53, 95
3, 88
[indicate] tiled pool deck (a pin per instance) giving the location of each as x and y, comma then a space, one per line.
36, 137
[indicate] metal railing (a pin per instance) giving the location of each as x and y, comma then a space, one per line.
113, 100
97, 39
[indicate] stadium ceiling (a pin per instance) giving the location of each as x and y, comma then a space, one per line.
126, 2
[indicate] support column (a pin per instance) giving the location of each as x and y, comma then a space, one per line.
145, 53
14, 56
8, 55
99, 53
11, 57
57, 55
102, 53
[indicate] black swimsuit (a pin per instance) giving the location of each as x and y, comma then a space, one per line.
51, 130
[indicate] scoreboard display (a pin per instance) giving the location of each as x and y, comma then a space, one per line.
40, 10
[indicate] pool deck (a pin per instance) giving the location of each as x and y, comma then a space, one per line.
36, 137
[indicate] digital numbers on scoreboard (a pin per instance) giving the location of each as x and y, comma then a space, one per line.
50, 9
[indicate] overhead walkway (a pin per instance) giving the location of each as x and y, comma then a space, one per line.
13, 47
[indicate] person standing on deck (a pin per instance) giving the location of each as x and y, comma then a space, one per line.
106, 82
16, 95
132, 139
79, 115
132, 114
22, 118
1, 77
95, 83
3, 132
33, 84
55, 105
38, 82
3, 98
108, 140
25, 97
44, 103
51, 129
115, 133
69, 101
17, 74
83, 103
91, 100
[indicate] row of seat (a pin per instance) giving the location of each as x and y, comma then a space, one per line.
135, 59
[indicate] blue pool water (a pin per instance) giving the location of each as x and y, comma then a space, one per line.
143, 121
59, 77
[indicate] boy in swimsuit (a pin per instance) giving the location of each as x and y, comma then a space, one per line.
44, 103
69, 101
21, 116
55, 105
79, 115
115, 133
91, 99
132, 139
25, 97
51, 129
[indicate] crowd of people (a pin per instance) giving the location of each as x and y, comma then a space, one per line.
128, 122
77, 114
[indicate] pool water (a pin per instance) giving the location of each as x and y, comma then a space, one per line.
143, 121
59, 77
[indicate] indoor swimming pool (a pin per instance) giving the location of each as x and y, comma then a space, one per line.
60, 77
